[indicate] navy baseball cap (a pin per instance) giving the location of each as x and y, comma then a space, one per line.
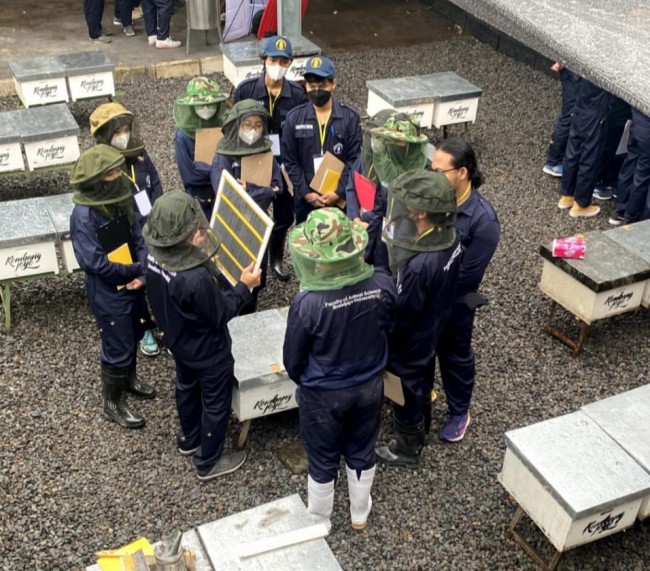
277, 46
320, 66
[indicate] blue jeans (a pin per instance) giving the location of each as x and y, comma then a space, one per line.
157, 16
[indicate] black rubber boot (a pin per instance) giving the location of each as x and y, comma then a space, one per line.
136, 387
406, 449
114, 382
276, 254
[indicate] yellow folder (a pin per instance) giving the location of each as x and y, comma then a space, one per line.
121, 255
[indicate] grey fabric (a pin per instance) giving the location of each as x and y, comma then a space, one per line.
605, 41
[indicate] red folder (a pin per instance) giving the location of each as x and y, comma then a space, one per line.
366, 191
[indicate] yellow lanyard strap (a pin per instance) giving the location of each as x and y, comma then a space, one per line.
272, 101
132, 178
322, 130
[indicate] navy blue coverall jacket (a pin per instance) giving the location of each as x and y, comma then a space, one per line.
291, 95
118, 313
338, 338
146, 176
301, 143
262, 195
478, 229
195, 176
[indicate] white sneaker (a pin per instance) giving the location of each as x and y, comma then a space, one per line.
168, 43
151, 40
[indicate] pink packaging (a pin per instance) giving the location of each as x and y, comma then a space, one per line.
574, 247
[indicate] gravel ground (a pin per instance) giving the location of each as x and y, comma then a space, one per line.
73, 483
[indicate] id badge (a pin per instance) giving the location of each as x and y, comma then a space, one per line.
275, 144
142, 202
318, 159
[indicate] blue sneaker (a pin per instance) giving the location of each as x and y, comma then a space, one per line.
455, 427
553, 170
603, 192
149, 345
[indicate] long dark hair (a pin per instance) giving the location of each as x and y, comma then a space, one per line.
462, 155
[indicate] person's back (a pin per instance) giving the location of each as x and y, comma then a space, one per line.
346, 330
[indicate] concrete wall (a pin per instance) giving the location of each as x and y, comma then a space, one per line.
485, 33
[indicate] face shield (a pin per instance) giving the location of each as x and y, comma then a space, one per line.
420, 218
178, 235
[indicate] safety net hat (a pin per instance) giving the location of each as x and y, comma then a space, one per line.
245, 130
202, 106
368, 125
421, 216
178, 235
111, 198
327, 251
112, 124
397, 147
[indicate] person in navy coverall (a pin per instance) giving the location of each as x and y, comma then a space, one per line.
115, 290
634, 177
336, 349
587, 138
310, 130
478, 230
193, 314
424, 257
202, 106
112, 124
279, 96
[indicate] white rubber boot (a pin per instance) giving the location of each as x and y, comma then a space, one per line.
320, 500
360, 500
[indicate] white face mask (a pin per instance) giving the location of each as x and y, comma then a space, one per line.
276, 72
249, 137
206, 112
120, 141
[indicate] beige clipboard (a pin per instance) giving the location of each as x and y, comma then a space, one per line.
205, 145
326, 179
393, 388
257, 169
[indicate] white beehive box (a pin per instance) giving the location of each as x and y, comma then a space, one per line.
456, 99
608, 281
635, 238
59, 208
89, 74
27, 240
573, 480
626, 418
405, 94
49, 135
39, 81
263, 386
11, 153
241, 60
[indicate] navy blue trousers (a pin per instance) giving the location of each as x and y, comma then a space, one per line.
157, 16
282, 211
634, 177
587, 137
124, 12
93, 12
560, 135
415, 388
340, 422
203, 401
619, 113
456, 359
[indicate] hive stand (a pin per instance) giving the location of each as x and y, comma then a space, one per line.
608, 281
573, 480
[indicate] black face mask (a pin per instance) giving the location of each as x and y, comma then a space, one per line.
319, 97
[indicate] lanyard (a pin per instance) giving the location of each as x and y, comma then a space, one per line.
132, 178
465, 195
322, 131
272, 100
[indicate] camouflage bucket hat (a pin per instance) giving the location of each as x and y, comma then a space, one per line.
328, 236
201, 91
399, 126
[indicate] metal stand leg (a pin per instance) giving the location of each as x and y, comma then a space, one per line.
552, 330
529, 549
187, 40
5, 295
